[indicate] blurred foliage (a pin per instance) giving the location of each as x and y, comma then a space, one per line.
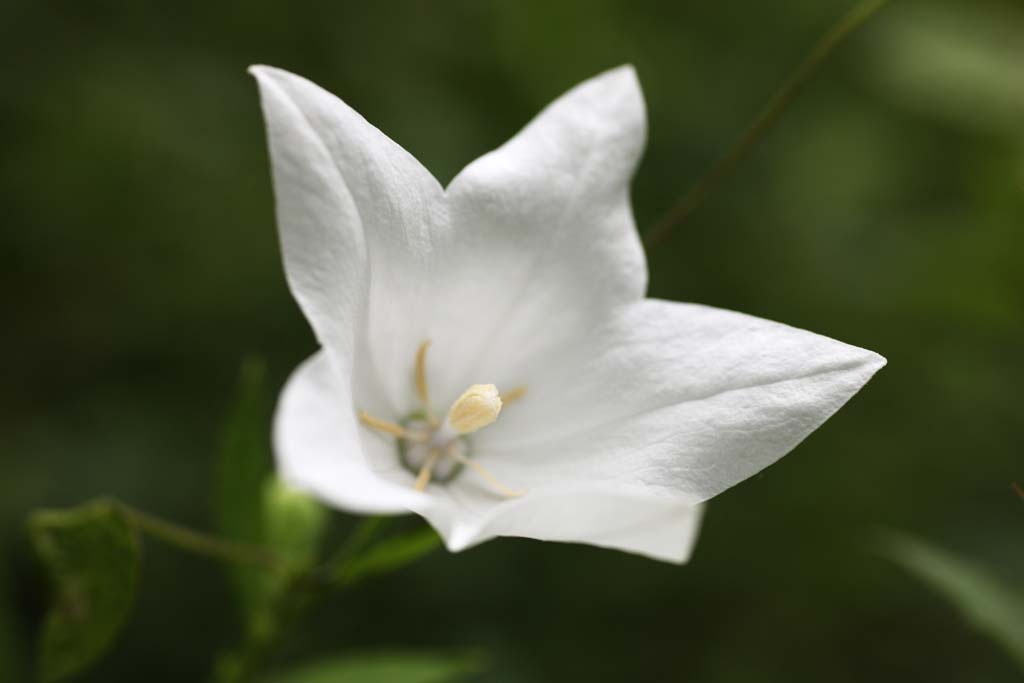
92, 556
963, 66
253, 506
993, 608
243, 469
388, 555
886, 210
294, 524
394, 667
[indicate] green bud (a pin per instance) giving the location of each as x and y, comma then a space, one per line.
293, 523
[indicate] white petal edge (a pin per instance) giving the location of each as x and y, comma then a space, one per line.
322, 243
679, 400
545, 227
316, 453
319, 450
385, 237
619, 519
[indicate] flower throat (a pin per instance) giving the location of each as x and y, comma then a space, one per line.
438, 450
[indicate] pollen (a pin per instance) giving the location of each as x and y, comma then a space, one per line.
476, 408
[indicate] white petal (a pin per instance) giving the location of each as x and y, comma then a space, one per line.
360, 221
534, 243
545, 238
321, 232
678, 400
318, 447
660, 528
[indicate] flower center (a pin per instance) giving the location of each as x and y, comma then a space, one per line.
438, 450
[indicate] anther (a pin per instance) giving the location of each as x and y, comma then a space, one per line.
476, 408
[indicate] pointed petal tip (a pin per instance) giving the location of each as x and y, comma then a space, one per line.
264, 72
627, 70
624, 70
873, 361
619, 89
256, 70
460, 536
624, 75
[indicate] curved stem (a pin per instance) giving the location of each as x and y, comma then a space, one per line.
293, 599
771, 112
357, 540
200, 543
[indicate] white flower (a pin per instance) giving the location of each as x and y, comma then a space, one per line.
620, 415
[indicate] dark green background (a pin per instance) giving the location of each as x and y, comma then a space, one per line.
140, 264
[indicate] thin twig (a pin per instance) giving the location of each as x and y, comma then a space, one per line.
727, 163
203, 544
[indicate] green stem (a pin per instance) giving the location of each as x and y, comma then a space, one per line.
360, 537
780, 101
290, 603
263, 633
200, 543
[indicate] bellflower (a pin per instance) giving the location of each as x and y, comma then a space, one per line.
488, 357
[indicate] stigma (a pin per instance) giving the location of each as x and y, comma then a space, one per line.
438, 450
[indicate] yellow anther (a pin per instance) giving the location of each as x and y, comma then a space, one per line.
513, 395
421, 381
477, 407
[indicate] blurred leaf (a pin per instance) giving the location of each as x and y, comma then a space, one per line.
990, 606
389, 555
957, 62
393, 667
92, 555
243, 464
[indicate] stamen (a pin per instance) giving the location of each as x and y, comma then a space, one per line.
389, 427
427, 471
486, 475
513, 395
476, 408
421, 382
426, 440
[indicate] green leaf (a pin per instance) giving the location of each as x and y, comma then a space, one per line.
243, 465
987, 604
393, 667
92, 556
389, 555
